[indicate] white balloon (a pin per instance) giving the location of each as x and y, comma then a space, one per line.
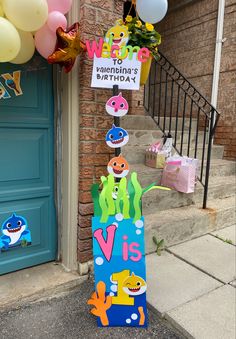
151, 11
27, 15
9, 41
27, 48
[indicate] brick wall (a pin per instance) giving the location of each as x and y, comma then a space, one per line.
96, 16
189, 33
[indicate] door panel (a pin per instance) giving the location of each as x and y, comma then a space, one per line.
27, 163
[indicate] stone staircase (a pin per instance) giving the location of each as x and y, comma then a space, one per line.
170, 215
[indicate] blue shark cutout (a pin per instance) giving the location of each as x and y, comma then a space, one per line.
117, 137
15, 232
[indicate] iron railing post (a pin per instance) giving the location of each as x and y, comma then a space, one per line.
208, 163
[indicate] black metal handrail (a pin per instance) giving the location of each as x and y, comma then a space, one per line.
169, 97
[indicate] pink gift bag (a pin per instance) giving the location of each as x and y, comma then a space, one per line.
181, 178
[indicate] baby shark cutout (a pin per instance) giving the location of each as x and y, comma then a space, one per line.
117, 106
134, 285
117, 137
118, 167
119, 35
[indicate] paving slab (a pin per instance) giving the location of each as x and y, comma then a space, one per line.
227, 233
209, 254
211, 316
172, 282
32, 282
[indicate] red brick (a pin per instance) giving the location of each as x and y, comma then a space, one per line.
86, 172
94, 159
85, 256
105, 4
84, 245
101, 148
104, 121
86, 209
100, 171
84, 221
85, 197
90, 135
87, 147
85, 184
87, 94
86, 121
85, 233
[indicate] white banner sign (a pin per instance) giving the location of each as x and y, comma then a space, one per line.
109, 72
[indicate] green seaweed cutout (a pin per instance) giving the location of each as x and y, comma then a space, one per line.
154, 187
137, 197
102, 201
131, 192
95, 197
118, 200
130, 205
110, 201
125, 200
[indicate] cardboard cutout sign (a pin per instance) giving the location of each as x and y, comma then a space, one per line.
15, 232
108, 72
119, 264
119, 252
118, 167
117, 137
117, 106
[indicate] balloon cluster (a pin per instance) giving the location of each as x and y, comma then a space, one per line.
26, 24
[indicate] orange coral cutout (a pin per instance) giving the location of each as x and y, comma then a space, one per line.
142, 316
101, 303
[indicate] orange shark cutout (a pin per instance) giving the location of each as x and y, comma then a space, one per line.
118, 167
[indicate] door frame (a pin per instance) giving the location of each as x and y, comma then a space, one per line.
68, 225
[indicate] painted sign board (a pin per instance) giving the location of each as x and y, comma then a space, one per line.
108, 72
120, 275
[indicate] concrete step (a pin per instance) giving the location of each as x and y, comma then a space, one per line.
157, 200
136, 154
185, 223
138, 122
148, 137
219, 168
179, 124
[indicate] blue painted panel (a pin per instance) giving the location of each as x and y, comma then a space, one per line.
32, 105
123, 252
27, 161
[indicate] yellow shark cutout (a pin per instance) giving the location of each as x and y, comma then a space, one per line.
134, 285
119, 34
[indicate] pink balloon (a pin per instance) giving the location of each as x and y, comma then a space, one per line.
56, 19
62, 6
45, 41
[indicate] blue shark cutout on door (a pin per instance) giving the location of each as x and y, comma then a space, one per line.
15, 232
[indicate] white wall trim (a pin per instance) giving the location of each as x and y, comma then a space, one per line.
70, 162
218, 50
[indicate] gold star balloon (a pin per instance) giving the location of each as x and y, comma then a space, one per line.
69, 46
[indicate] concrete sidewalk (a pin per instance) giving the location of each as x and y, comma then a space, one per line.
193, 285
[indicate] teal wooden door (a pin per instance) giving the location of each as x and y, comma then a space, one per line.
28, 233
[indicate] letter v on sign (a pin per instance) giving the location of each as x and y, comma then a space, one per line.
106, 245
